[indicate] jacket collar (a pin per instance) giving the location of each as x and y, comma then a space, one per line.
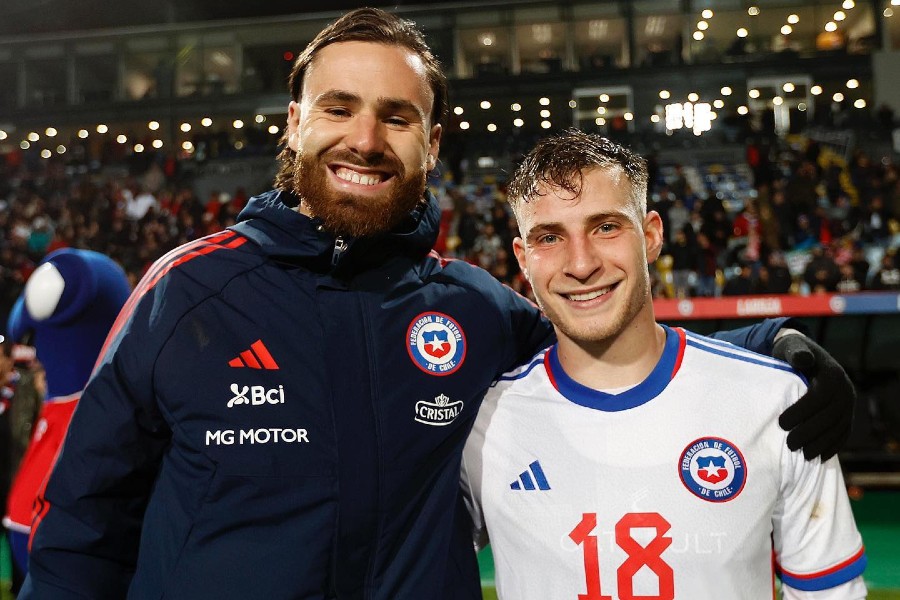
271, 221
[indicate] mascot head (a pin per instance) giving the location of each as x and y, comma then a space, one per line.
68, 306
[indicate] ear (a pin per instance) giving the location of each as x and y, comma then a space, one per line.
653, 235
434, 145
519, 251
293, 126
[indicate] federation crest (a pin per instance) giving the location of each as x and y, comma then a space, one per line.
713, 469
436, 343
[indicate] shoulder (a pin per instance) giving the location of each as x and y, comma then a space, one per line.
206, 262
471, 277
519, 381
738, 363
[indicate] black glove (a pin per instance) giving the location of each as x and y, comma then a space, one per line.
819, 422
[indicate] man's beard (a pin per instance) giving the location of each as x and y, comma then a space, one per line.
351, 215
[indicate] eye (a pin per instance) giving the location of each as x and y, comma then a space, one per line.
398, 121
547, 239
608, 227
337, 111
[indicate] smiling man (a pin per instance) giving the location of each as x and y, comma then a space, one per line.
631, 459
281, 408
363, 153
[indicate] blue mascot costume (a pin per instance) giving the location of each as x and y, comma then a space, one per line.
69, 305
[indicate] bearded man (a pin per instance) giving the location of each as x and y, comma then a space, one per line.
281, 408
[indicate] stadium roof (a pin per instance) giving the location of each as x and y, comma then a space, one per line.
45, 16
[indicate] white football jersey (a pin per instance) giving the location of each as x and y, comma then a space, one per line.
680, 487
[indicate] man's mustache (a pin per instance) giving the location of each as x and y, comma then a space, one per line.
382, 162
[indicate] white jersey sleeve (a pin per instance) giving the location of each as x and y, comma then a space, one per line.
818, 549
470, 482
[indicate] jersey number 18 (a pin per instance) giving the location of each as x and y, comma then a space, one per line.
638, 556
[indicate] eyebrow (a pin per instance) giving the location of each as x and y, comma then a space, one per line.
558, 226
384, 103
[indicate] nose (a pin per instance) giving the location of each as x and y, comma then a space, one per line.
366, 137
582, 259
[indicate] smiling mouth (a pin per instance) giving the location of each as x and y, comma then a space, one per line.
352, 176
586, 296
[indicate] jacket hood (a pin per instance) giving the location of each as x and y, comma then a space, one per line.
272, 222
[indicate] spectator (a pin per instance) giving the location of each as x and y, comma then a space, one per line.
137, 207
875, 221
467, 229
679, 217
888, 276
487, 246
684, 263
860, 265
707, 266
822, 272
780, 280
741, 284
848, 283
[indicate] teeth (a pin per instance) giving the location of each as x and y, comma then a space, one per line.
588, 296
354, 177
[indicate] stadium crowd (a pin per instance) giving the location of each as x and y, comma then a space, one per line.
808, 223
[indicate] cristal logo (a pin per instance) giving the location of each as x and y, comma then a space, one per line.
255, 395
440, 412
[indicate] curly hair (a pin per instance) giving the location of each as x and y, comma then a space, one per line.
560, 161
364, 25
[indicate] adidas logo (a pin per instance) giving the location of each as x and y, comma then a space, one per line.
527, 482
257, 357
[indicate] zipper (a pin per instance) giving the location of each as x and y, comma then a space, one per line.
340, 246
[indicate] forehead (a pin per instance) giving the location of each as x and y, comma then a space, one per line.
369, 68
602, 190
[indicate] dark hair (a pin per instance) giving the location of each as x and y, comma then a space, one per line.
365, 25
560, 161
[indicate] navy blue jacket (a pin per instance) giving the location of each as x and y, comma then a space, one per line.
281, 415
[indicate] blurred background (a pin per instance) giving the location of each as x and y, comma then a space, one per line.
770, 129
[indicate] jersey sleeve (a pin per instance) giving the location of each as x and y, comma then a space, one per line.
818, 550
473, 468
760, 337
87, 528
